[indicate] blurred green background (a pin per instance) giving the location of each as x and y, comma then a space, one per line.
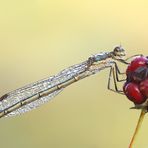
38, 38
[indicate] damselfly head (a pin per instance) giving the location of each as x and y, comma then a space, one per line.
119, 52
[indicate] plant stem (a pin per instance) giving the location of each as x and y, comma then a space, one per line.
141, 117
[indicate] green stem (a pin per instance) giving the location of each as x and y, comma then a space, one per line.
143, 112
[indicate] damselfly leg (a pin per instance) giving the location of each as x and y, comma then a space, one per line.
125, 61
133, 56
115, 72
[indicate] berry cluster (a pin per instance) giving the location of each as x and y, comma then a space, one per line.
136, 85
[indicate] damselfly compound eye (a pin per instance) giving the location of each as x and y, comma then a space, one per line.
119, 51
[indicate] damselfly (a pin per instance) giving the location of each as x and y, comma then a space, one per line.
33, 95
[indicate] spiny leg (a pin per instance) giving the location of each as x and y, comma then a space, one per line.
115, 72
112, 73
115, 82
133, 56
109, 80
125, 61
118, 72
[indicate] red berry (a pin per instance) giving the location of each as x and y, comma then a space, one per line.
133, 93
136, 62
144, 87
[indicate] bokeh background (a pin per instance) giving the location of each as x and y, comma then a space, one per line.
38, 38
